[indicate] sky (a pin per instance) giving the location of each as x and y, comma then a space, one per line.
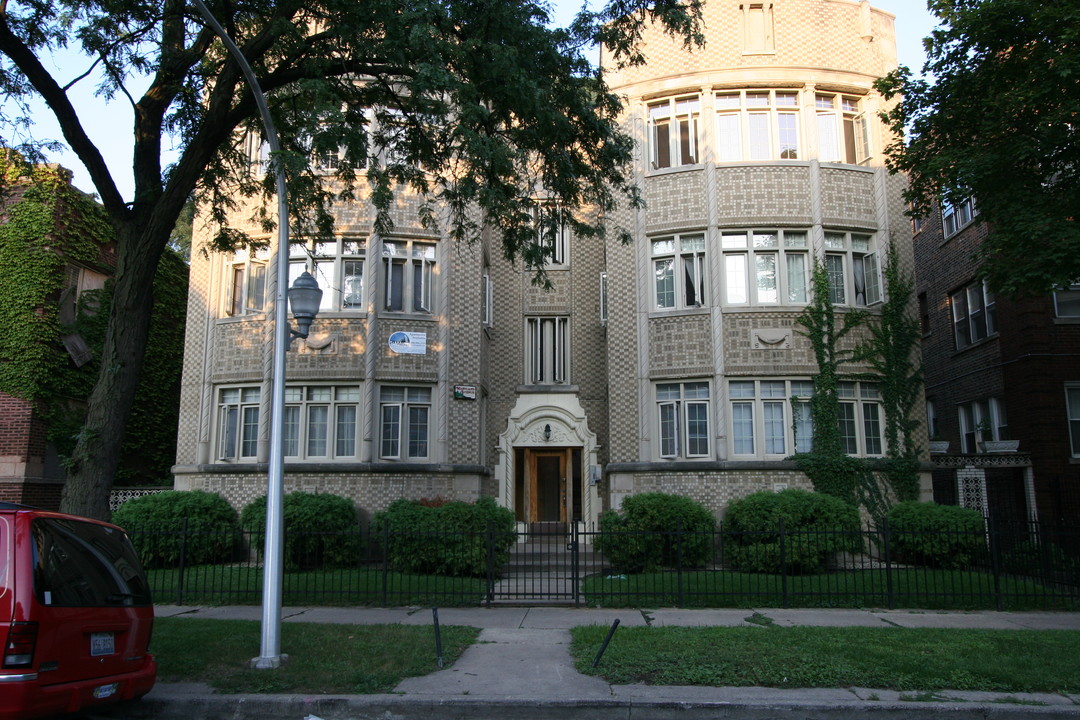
109, 124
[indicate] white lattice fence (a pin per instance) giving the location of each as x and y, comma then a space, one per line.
119, 496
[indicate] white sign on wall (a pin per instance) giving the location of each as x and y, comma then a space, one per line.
408, 343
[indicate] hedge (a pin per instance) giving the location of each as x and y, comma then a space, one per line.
321, 530
155, 524
656, 530
940, 536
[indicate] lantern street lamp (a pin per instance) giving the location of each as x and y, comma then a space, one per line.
304, 299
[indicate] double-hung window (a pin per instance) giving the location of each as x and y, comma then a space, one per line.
770, 417
679, 271
852, 269
321, 421
246, 286
757, 125
974, 312
1067, 302
861, 418
405, 417
409, 272
683, 416
547, 348
956, 217
674, 132
238, 423
1072, 409
552, 233
982, 420
843, 133
765, 267
338, 267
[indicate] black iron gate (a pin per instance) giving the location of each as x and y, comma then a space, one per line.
546, 565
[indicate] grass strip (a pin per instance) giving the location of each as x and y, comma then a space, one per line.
904, 659
323, 658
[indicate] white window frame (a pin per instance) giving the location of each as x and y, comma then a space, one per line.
758, 125
955, 218
338, 266
678, 263
246, 281
403, 409
974, 314
1072, 412
552, 233
981, 420
409, 270
766, 266
488, 300
851, 261
769, 417
861, 413
843, 132
675, 132
547, 350
1067, 302
682, 407
238, 424
603, 298
322, 422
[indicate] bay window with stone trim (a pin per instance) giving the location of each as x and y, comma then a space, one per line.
765, 267
843, 134
674, 133
338, 267
851, 263
679, 271
404, 422
683, 412
770, 417
757, 125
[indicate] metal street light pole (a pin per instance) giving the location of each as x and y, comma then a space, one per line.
274, 558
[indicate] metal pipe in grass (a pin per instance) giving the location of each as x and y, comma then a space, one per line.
438, 637
603, 647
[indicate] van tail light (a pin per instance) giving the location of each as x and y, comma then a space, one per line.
19, 649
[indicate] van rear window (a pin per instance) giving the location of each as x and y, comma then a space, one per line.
81, 564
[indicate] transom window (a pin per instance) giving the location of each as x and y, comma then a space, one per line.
852, 267
770, 417
956, 217
974, 312
338, 267
843, 133
409, 271
683, 416
679, 268
674, 132
246, 283
765, 267
405, 416
547, 348
757, 125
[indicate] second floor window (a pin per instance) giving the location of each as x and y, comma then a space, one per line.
974, 312
852, 267
674, 133
547, 350
409, 272
679, 271
246, 283
405, 419
757, 125
338, 267
765, 267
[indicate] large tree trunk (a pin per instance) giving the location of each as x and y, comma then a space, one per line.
97, 452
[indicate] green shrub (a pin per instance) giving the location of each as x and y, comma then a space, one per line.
655, 530
321, 530
444, 538
941, 536
155, 524
816, 527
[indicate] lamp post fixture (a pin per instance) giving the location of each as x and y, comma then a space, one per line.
305, 297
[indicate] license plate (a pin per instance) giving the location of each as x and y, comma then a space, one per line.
102, 643
103, 691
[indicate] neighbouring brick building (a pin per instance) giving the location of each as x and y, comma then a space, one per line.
1002, 380
669, 363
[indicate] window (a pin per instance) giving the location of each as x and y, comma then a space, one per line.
487, 300
924, 314
932, 427
246, 282
974, 312
1072, 408
405, 414
1067, 302
673, 131
603, 298
757, 22
547, 348
409, 267
757, 125
981, 420
238, 423
321, 421
861, 418
852, 267
770, 417
683, 416
765, 267
843, 133
679, 267
552, 233
955, 217
338, 267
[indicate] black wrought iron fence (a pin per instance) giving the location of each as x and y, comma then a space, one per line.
1004, 566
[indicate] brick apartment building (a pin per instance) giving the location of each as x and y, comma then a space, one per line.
669, 363
997, 369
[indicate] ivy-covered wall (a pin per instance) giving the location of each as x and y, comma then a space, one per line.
46, 227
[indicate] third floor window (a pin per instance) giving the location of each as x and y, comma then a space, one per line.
757, 125
674, 133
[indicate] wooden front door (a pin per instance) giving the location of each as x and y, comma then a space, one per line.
547, 487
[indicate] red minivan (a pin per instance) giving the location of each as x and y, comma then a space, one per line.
75, 615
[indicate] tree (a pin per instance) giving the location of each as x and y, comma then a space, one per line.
479, 103
999, 124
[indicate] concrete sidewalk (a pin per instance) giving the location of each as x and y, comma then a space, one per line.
521, 668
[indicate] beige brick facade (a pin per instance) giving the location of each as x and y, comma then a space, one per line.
593, 431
